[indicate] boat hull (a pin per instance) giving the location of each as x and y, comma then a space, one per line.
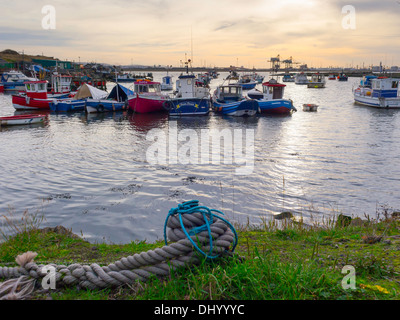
276, 106
383, 103
315, 85
237, 108
1, 88
247, 86
68, 106
146, 104
94, 106
21, 102
188, 107
22, 120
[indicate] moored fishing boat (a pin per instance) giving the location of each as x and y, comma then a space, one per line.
310, 107
383, 93
342, 77
34, 97
191, 97
229, 100
317, 81
288, 78
301, 78
15, 80
272, 101
78, 101
147, 98
116, 100
331, 77
22, 119
246, 82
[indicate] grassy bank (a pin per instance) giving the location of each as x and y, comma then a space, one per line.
290, 262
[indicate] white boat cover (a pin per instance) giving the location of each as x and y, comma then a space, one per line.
87, 91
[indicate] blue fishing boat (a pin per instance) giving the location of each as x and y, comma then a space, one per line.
342, 77
117, 100
77, 103
270, 100
191, 97
229, 100
288, 77
246, 82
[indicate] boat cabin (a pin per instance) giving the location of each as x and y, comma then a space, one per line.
146, 86
167, 80
229, 93
60, 83
317, 77
36, 89
366, 81
273, 90
387, 88
187, 86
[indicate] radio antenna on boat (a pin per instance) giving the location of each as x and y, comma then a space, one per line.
191, 44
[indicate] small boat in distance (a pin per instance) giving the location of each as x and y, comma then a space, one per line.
331, 77
246, 82
310, 107
287, 77
317, 81
22, 119
342, 77
229, 100
301, 78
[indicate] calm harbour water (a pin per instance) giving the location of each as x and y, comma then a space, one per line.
90, 173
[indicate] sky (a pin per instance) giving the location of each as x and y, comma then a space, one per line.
212, 32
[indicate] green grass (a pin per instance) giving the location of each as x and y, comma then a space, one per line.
292, 263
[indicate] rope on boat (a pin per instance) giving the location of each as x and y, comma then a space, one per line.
196, 232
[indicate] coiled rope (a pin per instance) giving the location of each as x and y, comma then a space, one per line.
196, 232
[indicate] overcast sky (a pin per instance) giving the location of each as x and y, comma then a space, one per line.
221, 32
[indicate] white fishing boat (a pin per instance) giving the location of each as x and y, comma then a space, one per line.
383, 93
301, 78
317, 81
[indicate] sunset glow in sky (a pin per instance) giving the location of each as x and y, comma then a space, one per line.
221, 32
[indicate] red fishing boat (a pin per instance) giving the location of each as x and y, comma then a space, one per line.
34, 97
1, 87
148, 97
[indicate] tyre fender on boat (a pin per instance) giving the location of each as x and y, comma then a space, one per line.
100, 108
168, 105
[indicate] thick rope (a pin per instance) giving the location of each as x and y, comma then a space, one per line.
195, 232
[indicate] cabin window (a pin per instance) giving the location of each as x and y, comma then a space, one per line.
41, 87
28, 87
152, 88
395, 84
271, 90
189, 82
